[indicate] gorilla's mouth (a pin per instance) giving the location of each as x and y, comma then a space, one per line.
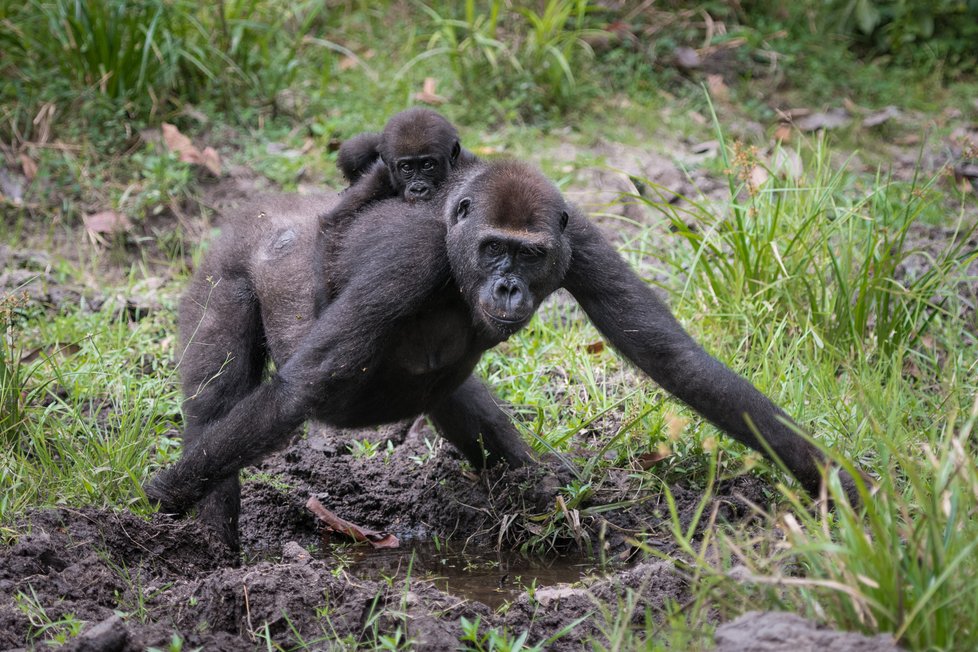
503, 324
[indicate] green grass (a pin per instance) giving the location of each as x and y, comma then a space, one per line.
97, 407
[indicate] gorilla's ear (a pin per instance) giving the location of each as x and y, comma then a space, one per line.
456, 150
564, 217
461, 211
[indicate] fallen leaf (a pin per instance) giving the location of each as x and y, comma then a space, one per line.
346, 63
12, 186
832, 119
427, 94
211, 160
795, 113
787, 163
718, 89
29, 167
782, 133
687, 58
757, 176
707, 147
184, 148
106, 222
334, 523
177, 142
594, 347
647, 460
879, 117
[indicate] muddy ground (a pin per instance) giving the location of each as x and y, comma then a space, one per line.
135, 583
109, 580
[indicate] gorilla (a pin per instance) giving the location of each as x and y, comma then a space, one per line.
416, 152
418, 146
425, 289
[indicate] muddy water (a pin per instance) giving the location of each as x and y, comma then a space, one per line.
471, 573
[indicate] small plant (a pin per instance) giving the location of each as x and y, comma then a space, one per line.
363, 449
165, 181
476, 639
176, 645
432, 447
43, 626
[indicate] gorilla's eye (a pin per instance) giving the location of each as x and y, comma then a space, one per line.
463, 208
405, 167
532, 253
428, 165
495, 248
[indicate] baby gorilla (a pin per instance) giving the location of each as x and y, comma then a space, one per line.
418, 147
416, 152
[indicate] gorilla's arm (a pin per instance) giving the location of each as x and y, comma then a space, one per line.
357, 154
327, 370
471, 419
374, 185
642, 328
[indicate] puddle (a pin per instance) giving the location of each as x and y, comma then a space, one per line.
487, 576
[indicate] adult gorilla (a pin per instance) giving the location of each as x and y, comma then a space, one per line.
425, 289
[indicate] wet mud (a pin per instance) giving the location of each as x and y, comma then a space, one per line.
110, 580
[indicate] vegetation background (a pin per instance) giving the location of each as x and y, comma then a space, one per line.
838, 273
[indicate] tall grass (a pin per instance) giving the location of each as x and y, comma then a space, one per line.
835, 265
86, 419
525, 57
149, 54
841, 261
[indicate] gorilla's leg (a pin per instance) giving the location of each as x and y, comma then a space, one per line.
473, 422
218, 367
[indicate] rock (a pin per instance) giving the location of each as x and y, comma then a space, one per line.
109, 635
778, 631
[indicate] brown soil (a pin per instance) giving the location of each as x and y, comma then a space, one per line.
165, 576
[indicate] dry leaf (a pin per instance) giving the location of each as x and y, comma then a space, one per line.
594, 347
181, 144
647, 460
106, 222
879, 117
346, 63
687, 58
832, 119
757, 176
177, 142
29, 167
718, 89
427, 94
787, 163
334, 523
782, 133
211, 160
